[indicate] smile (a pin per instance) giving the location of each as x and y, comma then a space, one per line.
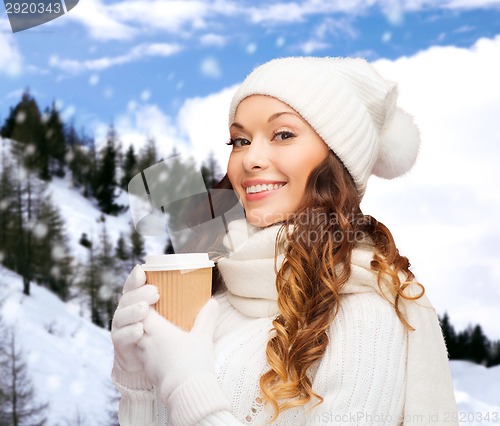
255, 189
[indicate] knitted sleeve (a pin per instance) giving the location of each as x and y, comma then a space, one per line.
361, 376
137, 402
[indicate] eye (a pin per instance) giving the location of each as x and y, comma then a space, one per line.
238, 142
281, 136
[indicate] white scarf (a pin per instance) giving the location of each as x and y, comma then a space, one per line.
250, 277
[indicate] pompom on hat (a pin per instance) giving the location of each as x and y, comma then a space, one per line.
349, 105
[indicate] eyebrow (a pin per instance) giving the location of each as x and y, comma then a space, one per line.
271, 118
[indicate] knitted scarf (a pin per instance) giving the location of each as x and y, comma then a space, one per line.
249, 273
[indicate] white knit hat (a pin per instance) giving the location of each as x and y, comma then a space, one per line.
349, 105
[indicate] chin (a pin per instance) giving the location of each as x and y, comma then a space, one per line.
262, 220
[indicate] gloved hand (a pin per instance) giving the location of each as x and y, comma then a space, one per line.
172, 356
127, 328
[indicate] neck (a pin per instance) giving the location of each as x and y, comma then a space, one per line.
249, 271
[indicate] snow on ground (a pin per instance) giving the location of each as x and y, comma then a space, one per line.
70, 360
477, 391
82, 216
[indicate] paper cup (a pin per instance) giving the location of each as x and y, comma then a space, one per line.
184, 282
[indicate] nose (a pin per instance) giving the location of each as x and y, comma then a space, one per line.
257, 156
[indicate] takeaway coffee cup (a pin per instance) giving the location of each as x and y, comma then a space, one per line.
184, 282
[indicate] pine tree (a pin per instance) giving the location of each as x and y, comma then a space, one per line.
25, 127
137, 252
147, 156
28, 192
494, 355
122, 252
53, 263
450, 336
56, 144
103, 278
19, 405
479, 346
7, 203
8, 126
82, 164
105, 184
211, 171
111, 277
90, 283
130, 168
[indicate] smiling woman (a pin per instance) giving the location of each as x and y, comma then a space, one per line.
316, 318
274, 152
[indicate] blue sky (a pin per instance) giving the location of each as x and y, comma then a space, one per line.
102, 55
167, 69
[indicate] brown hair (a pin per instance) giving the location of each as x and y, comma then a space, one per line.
312, 275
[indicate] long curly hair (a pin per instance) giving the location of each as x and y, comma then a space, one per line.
318, 246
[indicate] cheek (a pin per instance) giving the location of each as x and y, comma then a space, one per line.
231, 171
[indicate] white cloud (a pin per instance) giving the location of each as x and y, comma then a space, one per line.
444, 212
200, 127
125, 20
101, 24
203, 122
339, 28
251, 48
94, 79
213, 40
11, 61
136, 53
139, 123
280, 41
394, 10
210, 68
312, 46
472, 4
166, 16
108, 92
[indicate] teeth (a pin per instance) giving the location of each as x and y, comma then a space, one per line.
259, 188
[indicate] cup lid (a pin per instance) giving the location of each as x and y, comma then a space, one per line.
181, 261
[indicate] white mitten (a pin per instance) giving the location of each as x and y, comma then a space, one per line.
181, 364
127, 327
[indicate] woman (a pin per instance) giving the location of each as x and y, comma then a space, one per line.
319, 319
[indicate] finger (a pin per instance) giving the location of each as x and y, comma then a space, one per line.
136, 278
206, 320
142, 344
147, 293
130, 314
155, 323
128, 335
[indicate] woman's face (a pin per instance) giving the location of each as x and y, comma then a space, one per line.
273, 152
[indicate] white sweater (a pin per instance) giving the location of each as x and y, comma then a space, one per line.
367, 376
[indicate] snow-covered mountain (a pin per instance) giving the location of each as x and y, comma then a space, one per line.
70, 359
